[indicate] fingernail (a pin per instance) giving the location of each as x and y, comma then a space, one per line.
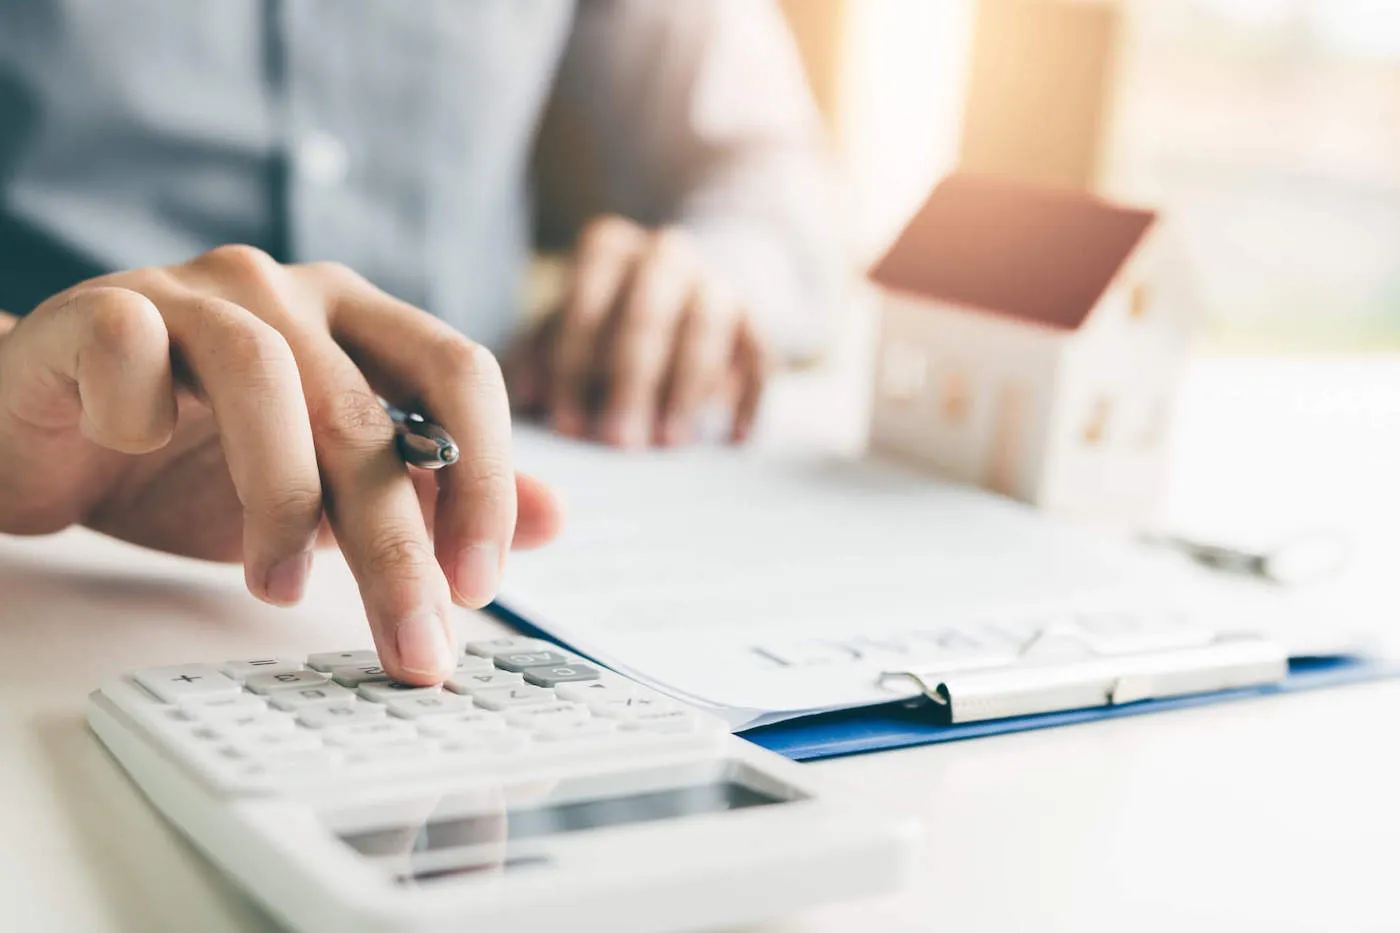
628, 430
424, 647
478, 573
635, 430
286, 579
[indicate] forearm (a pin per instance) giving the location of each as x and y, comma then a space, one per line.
770, 230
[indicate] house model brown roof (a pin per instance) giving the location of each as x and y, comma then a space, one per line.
1041, 255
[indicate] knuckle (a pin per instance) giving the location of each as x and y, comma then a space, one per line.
672, 244
253, 344
488, 485
293, 506
465, 360
240, 261
489, 474
337, 274
148, 280
610, 233
354, 421
120, 321
393, 552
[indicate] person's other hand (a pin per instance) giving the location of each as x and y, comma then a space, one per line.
644, 341
227, 409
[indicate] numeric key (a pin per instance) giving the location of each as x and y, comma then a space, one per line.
327, 717
296, 698
559, 674
494, 646
358, 674
520, 660
507, 697
224, 706
429, 704
282, 680
470, 681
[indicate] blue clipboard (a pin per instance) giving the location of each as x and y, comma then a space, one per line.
908, 723
904, 724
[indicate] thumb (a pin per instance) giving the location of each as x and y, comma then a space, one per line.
89, 369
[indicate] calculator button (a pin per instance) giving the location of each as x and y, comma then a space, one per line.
297, 698
595, 691
532, 716
329, 660
358, 674
324, 717
627, 707
268, 683
428, 704
559, 674
566, 731
381, 690
264, 723
472, 662
224, 707
245, 667
371, 733
664, 720
460, 724
252, 729
291, 766
361, 734
519, 660
483, 743
494, 646
173, 684
394, 753
297, 740
471, 681
511, 696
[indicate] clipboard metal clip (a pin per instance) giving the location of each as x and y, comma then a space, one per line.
1025, 689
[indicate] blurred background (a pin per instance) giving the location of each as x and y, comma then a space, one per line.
1267, 130
1268, 133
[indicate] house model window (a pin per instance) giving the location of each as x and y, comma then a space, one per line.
957, 396
1140, 301
1096, 428
903, 372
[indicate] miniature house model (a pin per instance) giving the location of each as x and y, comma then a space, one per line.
1028, 346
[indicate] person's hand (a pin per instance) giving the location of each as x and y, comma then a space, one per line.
644, 342
227, 409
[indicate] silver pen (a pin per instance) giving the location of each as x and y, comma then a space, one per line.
421, 443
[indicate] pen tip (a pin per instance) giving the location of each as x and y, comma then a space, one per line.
448, 453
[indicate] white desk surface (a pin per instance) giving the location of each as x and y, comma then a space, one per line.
1275, 814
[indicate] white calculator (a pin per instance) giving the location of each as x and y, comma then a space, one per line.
531, 792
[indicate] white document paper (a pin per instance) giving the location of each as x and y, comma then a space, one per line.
765, 586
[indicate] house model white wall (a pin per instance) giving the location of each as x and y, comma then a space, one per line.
1029, 345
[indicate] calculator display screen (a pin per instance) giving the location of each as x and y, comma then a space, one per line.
419, 841
513, 825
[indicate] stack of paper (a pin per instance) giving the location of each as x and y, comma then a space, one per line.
764, 586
